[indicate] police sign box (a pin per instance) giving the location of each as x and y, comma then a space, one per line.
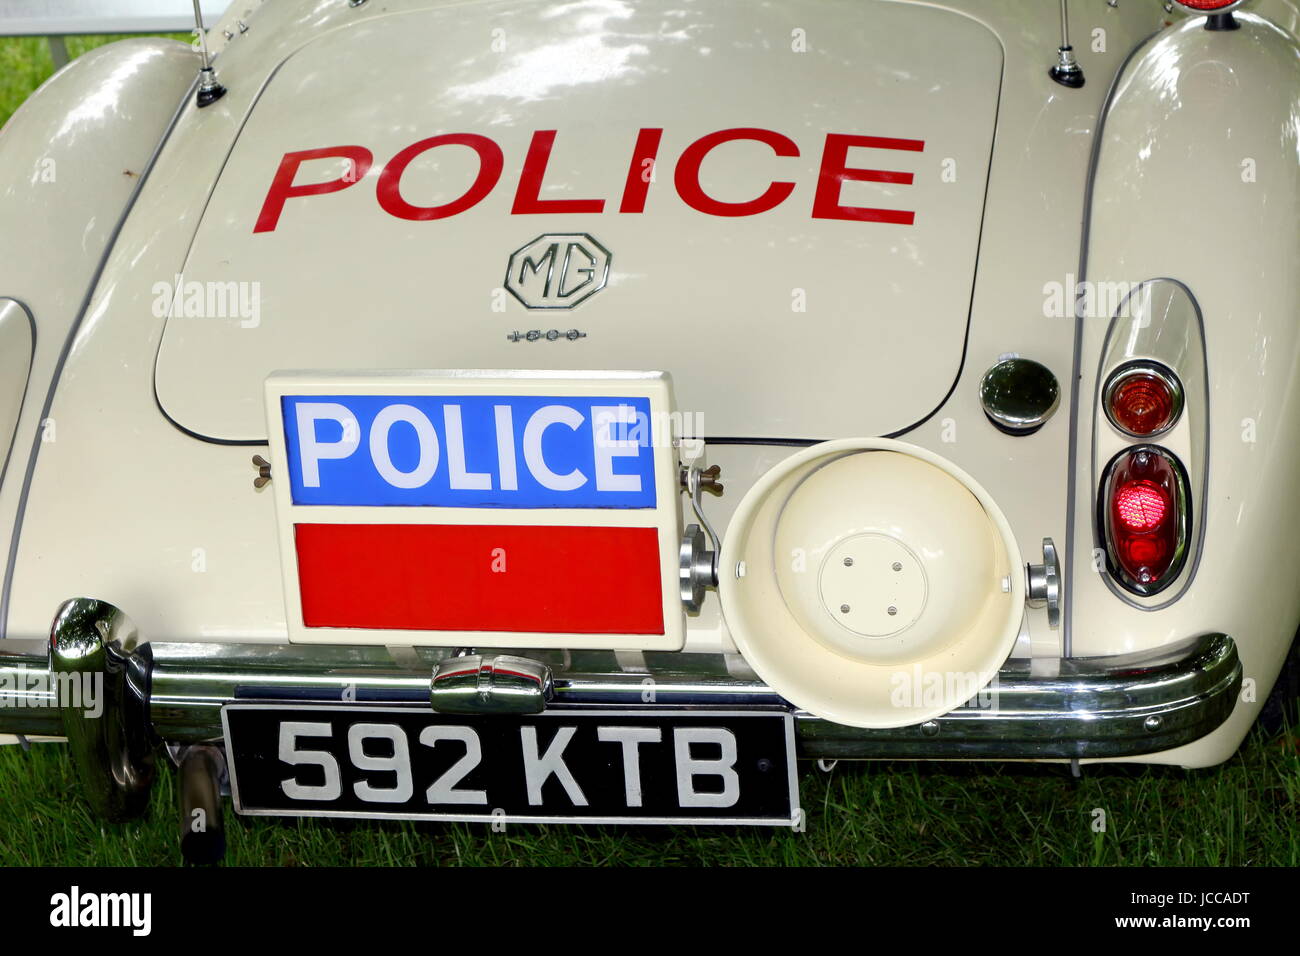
506, 451
494, 509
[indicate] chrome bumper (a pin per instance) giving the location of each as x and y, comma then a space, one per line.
1092, 707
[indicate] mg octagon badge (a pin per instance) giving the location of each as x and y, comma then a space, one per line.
558, 270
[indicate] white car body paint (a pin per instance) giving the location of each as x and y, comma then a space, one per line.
122, 501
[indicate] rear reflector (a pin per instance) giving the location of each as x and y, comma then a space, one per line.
1143, 399
1145, 518
525, 578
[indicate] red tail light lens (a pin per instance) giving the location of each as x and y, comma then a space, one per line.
1141, 506
1143, 399
1145, 518
1207, 6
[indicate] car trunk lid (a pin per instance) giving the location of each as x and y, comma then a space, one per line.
839, 310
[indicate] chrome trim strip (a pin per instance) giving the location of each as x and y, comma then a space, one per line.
1072, 463
1196, 546
22, 399
1124, 705
1096, 707
28, 703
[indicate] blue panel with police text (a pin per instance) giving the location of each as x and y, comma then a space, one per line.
474, 451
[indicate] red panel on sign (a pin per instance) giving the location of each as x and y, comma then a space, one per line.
580, 580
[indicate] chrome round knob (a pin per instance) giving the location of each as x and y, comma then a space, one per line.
1019, 395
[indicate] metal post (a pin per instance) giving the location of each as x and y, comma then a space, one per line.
58, 52
210, 89
203, 835
1067, 71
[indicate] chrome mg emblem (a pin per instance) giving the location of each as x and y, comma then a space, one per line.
558, 270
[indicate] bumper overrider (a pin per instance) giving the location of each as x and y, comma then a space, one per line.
117, 699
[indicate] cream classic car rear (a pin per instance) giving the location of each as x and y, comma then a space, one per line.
372, 396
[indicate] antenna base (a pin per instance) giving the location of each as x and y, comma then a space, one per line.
210, 88
1067, 71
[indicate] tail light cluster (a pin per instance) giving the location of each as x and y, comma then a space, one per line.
1208, 6
1143, 399
1146, 517
1144, 508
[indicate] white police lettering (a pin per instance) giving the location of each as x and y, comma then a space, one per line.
506, 447
428, 443
540, 420
607, 448
309, 413
471, 451
460, 478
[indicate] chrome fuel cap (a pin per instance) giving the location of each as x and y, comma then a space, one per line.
1019, 395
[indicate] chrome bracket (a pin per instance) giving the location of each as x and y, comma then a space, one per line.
1044, 584
501, 684
100, 682
697, 563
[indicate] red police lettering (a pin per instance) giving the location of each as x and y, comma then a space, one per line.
530, 182
640, 170
282, 187
835, 172
490, 164
687, 177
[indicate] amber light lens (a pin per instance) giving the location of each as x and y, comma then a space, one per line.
1145, 515
1143, 400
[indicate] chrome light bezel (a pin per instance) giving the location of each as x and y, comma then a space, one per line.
1143, 367
1184, 503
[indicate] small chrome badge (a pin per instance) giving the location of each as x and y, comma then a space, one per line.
549, 335
558, 270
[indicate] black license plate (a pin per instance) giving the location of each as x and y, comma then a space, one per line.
562, 766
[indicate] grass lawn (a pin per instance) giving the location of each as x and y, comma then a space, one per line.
25, 64
1243, 813
1246, 812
